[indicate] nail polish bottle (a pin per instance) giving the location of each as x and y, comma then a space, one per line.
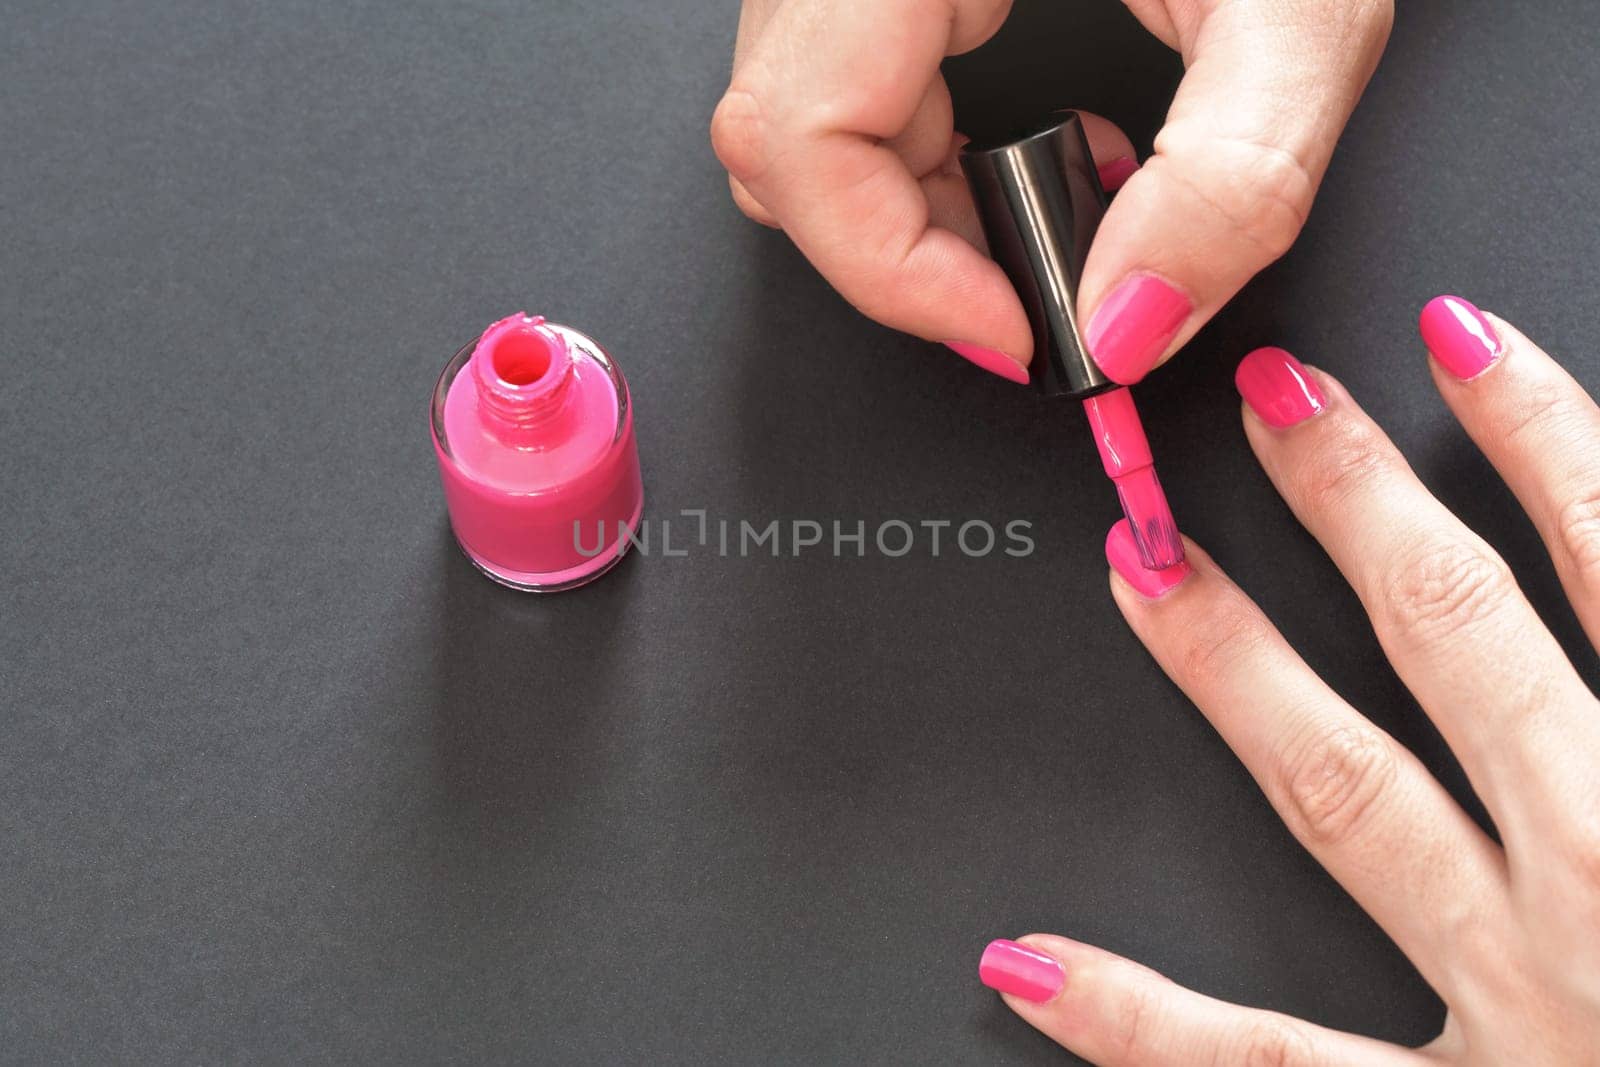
1040, 201
533, 430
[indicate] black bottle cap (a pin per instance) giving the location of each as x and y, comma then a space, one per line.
1040, 201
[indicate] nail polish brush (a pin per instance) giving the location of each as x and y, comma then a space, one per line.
1040, 201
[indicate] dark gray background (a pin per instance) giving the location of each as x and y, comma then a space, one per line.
283, 779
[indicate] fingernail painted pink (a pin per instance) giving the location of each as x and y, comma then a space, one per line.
1114, 173
991, 361
1013, 968
1277, 387
1458, 335
533, 429
1125, 455
1133, 325
1123, 555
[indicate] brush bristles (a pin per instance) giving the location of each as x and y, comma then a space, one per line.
1155, 532
1158, 543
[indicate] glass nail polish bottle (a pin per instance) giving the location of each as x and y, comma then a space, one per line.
533, 430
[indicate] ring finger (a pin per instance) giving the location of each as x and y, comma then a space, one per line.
1445, 607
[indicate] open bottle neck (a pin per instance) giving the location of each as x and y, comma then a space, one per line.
522, 370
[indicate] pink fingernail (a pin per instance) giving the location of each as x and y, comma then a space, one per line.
1114, 173
991, 361
1122, 552
1459, 337
1277, 387
1013, 968
1133, 326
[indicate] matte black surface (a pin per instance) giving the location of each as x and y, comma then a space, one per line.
282, 779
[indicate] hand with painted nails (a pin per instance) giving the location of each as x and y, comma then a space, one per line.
1507, 928
837, 127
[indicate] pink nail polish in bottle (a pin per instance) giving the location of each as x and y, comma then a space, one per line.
533, 430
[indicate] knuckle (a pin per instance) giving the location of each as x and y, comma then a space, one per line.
748, 204
1582, 846
1260, 190
1215, 654
1578, 534
1370, 22
1375, 20
1135, 1017
980, 21
1359, 29
1549, 409
1477, 939
1345, 462
1442, 587
1280, 191
1274, 1042
738, 134
1336, 779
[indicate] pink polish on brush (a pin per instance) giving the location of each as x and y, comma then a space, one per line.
533, 430
1125, 455
1122, 552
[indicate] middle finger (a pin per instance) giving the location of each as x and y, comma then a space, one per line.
1445, 607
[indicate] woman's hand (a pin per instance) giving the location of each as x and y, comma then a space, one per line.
837, 127
1507, 934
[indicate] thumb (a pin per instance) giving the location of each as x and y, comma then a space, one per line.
1269, 87
1113, 1012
